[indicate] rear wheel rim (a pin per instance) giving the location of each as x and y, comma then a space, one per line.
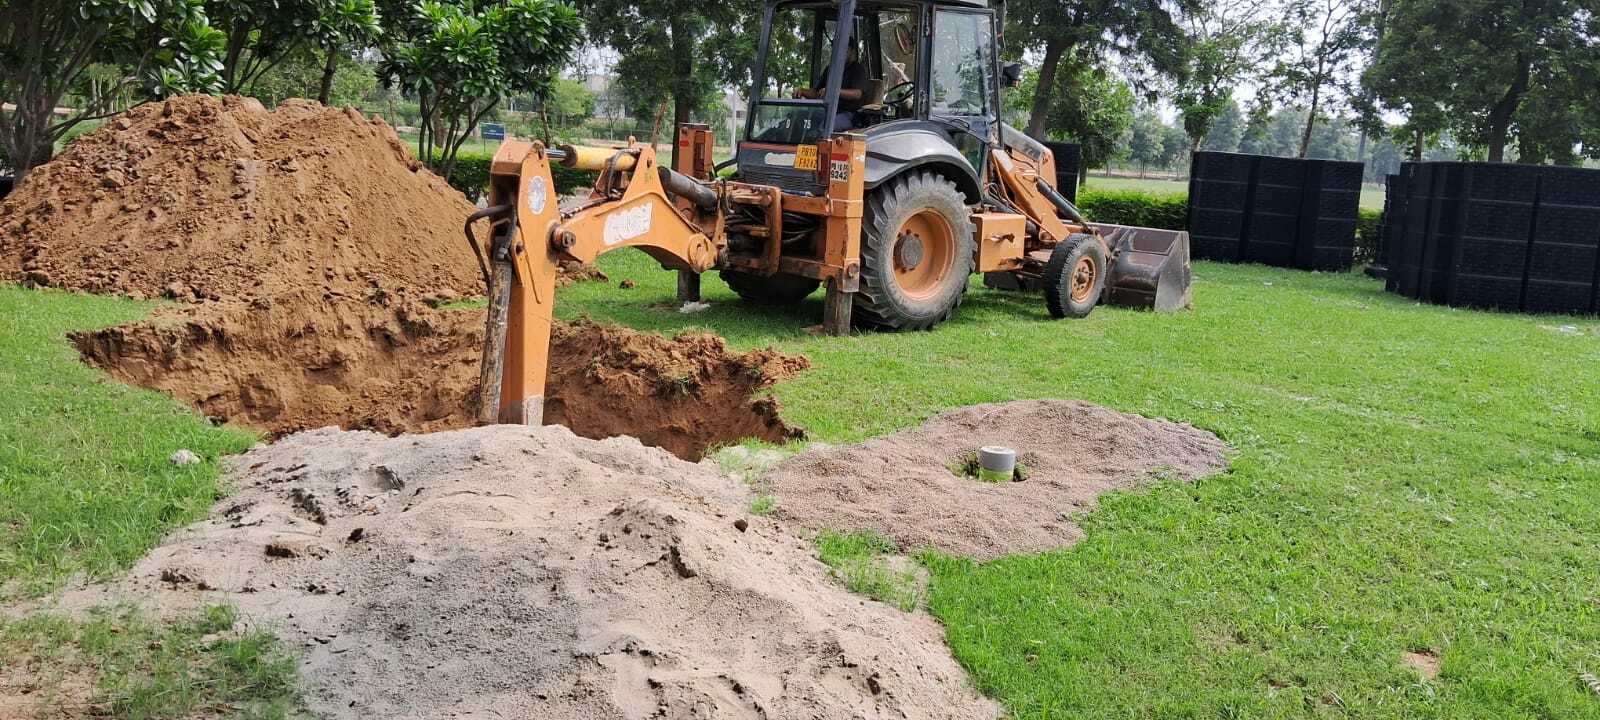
928, 230
1084, 274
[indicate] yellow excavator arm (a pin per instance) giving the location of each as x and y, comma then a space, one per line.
531, 236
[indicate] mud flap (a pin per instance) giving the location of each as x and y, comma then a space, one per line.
1151, 269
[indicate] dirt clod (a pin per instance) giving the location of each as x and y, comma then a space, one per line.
903, 485
486, 594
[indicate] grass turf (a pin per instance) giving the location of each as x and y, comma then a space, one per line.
1407, 477
119, 662
85, 484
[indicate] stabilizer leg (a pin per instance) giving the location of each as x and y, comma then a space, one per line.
836, 308
688, 286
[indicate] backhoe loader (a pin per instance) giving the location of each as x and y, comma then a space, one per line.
873, 165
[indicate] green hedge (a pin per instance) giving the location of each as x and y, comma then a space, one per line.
1124, 207
471, 176
1367, 237
1171, 212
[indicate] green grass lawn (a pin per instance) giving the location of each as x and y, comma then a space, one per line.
85, 485
1371, 194
1407, 478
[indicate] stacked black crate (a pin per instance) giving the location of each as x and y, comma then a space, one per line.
1564, 255
1394, 213
1490, 253
1410, 236
1219, 198
1069, 160
1272, 221
1329, 211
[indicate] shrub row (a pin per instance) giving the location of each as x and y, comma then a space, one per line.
1126, 207
471, 176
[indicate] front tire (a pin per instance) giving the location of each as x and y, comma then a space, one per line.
1075, 277
916, 253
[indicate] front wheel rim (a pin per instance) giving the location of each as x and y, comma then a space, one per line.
929, 230
1084, 274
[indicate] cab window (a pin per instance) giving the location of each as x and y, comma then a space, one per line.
962, 66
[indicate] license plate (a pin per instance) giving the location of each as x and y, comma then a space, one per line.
805, 157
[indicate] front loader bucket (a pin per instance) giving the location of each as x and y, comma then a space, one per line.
1151, 270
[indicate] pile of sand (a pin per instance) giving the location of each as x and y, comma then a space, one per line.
906, 487
394, 365
525, 572
198, 197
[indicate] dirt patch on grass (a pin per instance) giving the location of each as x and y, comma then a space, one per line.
397, 366
1425, 662
524, 571
903, 486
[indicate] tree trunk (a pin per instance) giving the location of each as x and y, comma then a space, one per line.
682, 77
1040, 113
328, 68
30, 143
1416, 146
1311, 117
1500, 115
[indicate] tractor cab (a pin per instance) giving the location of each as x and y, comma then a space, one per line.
919, 78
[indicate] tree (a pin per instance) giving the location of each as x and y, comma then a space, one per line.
47, 47
1090, 108
682, 51
343, 26
1144, 140
1332, 33
460, 59
262, 33
1073, 30
1174, 147
1229, 43
302, 76
1471, 64
1227, 130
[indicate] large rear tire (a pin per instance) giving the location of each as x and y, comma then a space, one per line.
916, 253
769, 289
1075, 277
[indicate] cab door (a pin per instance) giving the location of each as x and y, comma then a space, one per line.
962, 92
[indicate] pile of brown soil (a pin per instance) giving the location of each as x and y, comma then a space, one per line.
906, 485
525, 572
205, 198
393, 365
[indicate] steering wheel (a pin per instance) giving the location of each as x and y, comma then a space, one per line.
904, 90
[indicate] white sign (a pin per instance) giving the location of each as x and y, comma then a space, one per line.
784, 159
538, 194
624, 225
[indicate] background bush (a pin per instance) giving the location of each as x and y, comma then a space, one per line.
1124, 207
1367, 236
471, 176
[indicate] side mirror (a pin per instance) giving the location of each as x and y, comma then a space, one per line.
1011, 74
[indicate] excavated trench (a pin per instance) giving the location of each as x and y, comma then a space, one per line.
396, 366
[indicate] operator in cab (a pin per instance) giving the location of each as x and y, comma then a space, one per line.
852, 91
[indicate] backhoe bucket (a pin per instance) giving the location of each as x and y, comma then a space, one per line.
1152, 268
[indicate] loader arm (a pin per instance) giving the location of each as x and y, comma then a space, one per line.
532, 237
